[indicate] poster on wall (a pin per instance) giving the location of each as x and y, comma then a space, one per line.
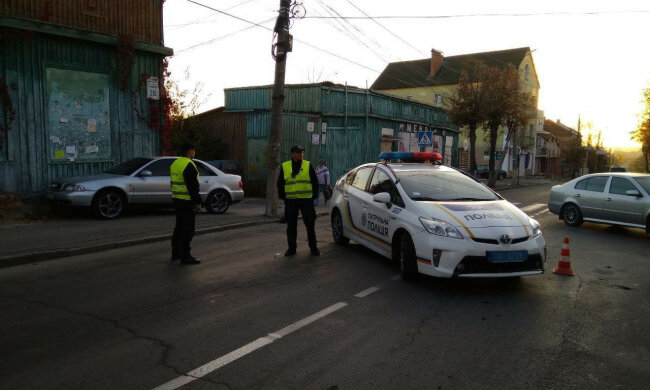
436, 145
315, 139
449, 143
78, 115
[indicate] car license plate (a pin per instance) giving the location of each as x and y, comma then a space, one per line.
507, 257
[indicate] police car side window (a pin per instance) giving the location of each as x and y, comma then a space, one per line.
381, 182
361, 178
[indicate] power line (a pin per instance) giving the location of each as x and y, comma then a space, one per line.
382, 26
561, 13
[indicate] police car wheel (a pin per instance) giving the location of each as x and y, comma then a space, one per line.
407, 262
217, 202
337, 229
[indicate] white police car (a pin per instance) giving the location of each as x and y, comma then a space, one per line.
434, 220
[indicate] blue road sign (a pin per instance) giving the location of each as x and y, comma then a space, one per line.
425, 138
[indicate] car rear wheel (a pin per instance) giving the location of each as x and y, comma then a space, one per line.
571, 214
337, 229
108, 204
217, 202
407, 262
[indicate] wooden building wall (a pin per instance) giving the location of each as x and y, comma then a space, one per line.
141, 19
28, 159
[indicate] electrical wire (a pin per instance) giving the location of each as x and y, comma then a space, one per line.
526, 14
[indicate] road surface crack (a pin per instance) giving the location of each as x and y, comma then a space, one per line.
166, 347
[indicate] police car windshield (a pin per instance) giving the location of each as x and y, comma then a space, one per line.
443, 186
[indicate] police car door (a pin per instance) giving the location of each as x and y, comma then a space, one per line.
357, 200
381, 217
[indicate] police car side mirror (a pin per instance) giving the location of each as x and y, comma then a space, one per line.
144, 173
382, 197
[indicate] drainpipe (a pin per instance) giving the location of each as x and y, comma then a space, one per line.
367, 105
345, 103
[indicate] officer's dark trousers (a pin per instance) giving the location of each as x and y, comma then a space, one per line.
306, 207
184, 229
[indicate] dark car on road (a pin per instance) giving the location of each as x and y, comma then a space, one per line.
484, 173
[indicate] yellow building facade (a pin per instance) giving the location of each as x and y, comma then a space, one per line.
433, 80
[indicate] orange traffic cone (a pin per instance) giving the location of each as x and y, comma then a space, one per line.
564, 265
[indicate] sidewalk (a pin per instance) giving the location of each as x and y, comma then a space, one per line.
75, 231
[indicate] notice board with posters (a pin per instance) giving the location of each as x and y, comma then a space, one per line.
78, 115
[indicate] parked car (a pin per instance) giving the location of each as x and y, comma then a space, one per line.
617, 169
227, 166
617, 198
484, 173
143, 180
435, 220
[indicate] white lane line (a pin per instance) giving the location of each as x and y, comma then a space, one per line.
246, 349
540, 213
366, 292
533, 207
308, 320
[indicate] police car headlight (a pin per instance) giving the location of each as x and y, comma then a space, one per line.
440, 228
536, 228
73, 187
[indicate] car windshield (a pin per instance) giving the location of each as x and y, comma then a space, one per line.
443, 186
644, 181
128, 167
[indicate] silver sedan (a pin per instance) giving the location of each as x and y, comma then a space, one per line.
616, 198
143, 180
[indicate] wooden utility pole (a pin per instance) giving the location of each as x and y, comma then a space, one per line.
281, 48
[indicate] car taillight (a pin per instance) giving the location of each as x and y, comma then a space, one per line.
241, 185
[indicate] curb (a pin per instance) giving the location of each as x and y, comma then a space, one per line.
21, 259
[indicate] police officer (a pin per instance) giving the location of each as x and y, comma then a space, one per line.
187, 202
298, 187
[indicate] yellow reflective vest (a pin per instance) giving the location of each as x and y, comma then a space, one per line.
298, 187
179, 189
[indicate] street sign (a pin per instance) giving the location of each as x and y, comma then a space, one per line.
425, 138
153, 93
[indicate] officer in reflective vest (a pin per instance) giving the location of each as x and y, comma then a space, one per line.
298, 187
187, 201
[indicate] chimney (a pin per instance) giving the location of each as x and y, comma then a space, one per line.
436, 61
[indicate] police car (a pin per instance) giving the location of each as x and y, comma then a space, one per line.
434, 219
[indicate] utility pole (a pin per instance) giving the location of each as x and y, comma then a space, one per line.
281, 48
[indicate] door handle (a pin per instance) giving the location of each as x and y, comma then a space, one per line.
609, 199
577, 195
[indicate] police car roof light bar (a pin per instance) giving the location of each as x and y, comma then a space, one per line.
433, 157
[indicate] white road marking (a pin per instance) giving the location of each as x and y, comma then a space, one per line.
533, 207
246, 349
366, 292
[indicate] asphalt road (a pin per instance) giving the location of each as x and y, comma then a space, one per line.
248, 318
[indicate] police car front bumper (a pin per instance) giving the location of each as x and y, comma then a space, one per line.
449, 257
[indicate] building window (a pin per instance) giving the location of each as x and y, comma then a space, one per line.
438, 100
526, 72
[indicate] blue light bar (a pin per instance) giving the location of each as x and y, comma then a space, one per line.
412, 156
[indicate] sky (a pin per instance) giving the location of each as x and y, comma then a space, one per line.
591, 57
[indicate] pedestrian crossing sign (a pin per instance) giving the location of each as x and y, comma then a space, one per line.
424, 138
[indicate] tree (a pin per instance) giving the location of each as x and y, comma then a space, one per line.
642, 133
467, 104
506, 105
